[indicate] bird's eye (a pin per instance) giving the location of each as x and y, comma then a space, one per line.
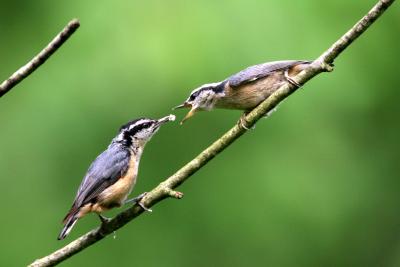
191, 98
143, 126
194, 95
147, 125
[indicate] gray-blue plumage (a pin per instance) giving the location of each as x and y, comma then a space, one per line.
261, 70
112, 175
107, 168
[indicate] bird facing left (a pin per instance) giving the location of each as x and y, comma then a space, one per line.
112, 175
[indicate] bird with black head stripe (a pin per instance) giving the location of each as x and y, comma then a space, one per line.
112, 175
245, 89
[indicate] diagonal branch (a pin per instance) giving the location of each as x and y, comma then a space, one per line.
40, 58
165, 189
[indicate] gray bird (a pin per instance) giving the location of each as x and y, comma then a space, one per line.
112, 176
245, 89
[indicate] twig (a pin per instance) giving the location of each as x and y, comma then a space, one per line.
40, 58
165, 189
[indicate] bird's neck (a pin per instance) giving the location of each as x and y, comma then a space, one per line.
213, 101
218, 95
209, 101
134, 146
137, 147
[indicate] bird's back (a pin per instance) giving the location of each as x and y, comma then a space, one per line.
249, 87
255, 72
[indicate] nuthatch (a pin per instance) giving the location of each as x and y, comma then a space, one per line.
245, 89
112, 175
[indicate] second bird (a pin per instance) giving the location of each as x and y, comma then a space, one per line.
245, 89
111, 177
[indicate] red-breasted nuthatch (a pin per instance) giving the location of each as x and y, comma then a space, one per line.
111, 177
245, 89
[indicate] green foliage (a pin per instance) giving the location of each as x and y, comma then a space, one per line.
316, 184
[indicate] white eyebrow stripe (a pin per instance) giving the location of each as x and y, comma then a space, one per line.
137, 123
205, 85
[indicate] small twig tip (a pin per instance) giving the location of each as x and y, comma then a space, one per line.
74, 23
174, 194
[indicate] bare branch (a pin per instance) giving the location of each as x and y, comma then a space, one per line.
40, 58
165, 189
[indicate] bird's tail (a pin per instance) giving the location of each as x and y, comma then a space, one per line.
69, 222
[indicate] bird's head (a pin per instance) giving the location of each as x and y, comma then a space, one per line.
202, 98
138, 132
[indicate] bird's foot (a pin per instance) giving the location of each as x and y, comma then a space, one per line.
243, 122
137, 200
290, 80
103, 219
144, 207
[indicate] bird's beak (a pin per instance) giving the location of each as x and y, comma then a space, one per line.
184, 105
168, 118
189, 115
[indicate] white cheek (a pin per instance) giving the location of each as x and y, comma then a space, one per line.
205, 97
210, 100
146, 134
140, 135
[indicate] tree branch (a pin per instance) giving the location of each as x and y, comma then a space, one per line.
165, 189
40, 58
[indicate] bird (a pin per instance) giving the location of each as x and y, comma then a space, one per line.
112, 175
245, 89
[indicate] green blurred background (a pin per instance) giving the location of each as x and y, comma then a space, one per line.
316, 184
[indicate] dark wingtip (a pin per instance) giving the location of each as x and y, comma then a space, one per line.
62, 235
69, 223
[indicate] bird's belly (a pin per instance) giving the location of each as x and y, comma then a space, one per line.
248, 96
242, 102
116, 194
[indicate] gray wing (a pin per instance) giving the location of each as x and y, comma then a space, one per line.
259, 71
108, 167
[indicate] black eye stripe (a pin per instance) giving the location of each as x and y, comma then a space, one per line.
132, 128
219, 88
136, 126
195, 94
140, 127
126, 125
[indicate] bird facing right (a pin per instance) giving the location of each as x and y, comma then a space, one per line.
112, 175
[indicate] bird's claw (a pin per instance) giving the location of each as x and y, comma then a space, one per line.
104, 219
144, 207
137, 200
290, 80
242, 122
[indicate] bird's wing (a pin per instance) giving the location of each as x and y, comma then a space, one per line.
108, 167
259, 71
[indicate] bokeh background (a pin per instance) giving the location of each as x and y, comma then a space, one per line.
316, 184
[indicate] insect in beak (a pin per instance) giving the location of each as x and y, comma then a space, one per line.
166, 119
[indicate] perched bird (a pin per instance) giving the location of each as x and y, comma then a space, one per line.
112, 175
245, 89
